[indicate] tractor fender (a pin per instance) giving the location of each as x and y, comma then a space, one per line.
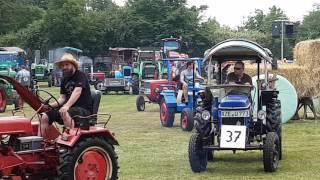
169, 97
72, 136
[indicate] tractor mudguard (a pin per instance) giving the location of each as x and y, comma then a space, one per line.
70, 137
170, 98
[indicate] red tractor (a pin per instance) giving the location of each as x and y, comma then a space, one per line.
83, 152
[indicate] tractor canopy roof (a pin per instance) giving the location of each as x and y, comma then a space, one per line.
238, 50
182, 59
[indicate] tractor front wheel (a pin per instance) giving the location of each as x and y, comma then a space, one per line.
166, 114
197, 155
98, 85
140, 103
135, 85
271, 152
91, 158
3, 100
187, 122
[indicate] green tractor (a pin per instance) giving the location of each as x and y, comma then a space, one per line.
147, 67
8, 96
44, 70
41, 69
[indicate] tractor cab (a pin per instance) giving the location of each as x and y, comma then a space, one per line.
226, 118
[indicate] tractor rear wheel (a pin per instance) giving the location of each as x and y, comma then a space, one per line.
197, 155
271, 152
166, 114
140, 103
135, 85
91, 158
187, 122
3, 100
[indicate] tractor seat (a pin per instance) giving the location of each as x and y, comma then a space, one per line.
96, 97
91, 120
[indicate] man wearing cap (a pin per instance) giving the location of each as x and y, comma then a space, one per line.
75, 97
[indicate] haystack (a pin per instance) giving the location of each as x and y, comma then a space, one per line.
307, 53
305, 80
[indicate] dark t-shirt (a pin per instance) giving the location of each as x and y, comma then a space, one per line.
79, 79
244, 79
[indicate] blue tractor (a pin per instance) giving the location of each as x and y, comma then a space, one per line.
227, 118
171, 101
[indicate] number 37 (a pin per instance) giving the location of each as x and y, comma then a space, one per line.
233, 136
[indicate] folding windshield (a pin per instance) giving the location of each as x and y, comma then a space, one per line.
170, 45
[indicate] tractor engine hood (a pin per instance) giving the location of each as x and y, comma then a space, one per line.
25, 94
234, 102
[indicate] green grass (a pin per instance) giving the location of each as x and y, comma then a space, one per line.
149, 151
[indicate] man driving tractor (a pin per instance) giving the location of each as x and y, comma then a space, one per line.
75, 97
186, 76
238, 76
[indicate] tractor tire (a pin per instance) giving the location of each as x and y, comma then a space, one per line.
273, 111
274, 121
89, 158
135, 85
3, 100
166, 114
271, 152
50, 80
18, 102
98, 85
187, 122
197, 156
140, 103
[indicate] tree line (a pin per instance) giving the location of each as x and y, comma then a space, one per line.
96, 25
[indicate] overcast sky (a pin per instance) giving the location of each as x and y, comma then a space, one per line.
233, 12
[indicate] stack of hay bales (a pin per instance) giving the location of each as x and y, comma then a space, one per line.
304, 74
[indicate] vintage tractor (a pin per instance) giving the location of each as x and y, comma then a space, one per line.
147, 67
83, 152
86, 66
120, 82
8, 94
226, 119
167, 93
52, 74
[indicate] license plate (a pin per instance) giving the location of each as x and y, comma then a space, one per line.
233, 137
244, 113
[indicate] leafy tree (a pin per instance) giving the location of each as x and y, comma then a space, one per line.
310, 26
15, 15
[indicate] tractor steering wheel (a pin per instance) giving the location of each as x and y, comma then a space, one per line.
46, 101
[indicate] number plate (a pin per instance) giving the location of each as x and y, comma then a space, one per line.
233, 137
244, 113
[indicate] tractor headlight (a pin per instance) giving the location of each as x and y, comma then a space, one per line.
205, 115
262, 115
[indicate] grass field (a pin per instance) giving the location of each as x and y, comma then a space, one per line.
149, 151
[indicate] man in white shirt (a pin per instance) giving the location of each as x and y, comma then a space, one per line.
186, 76
23, 77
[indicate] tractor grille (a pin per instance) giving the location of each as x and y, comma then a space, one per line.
39, 70
149, 72
233, 121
